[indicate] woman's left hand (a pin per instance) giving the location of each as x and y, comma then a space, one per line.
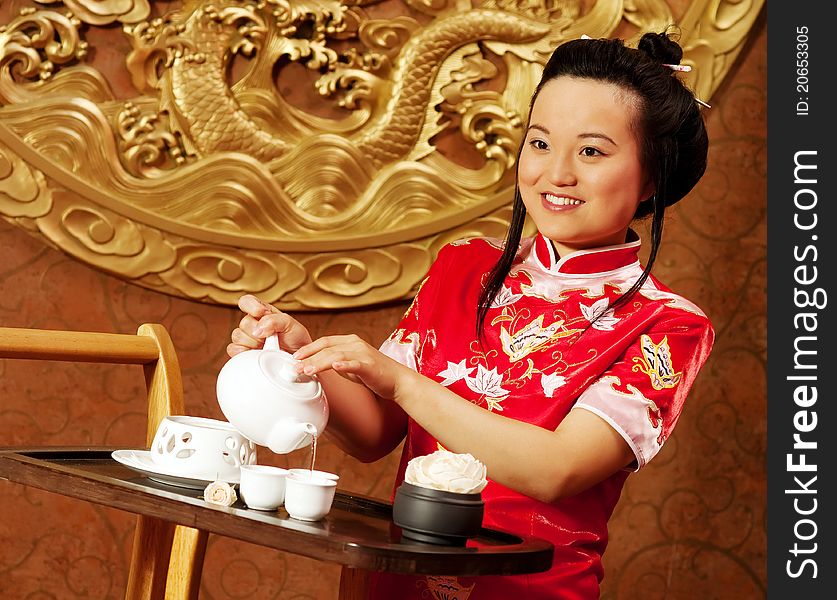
356, 360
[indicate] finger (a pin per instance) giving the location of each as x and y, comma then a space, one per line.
271, 323
348, 366
367, 372
233, 349
255, 307
244, 340
292, 334
358, 359
321, 360
329, 341
313, 348
348, 369
247, 326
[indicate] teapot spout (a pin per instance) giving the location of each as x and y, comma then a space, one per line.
288, 435
310, 429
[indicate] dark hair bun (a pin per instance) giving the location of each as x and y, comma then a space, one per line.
661, 48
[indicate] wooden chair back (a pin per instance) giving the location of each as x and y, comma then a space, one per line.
167, 559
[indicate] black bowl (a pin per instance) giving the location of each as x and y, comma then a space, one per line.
435, 516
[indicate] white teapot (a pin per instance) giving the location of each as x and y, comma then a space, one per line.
262, 395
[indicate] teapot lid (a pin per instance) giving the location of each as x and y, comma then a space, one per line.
280, 369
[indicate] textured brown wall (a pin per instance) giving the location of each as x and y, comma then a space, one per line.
691, 525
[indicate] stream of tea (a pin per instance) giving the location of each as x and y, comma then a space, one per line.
313, 453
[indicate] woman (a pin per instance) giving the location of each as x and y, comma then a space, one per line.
558, 361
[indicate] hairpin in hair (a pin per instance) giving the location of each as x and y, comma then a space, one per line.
678, 68
686, 69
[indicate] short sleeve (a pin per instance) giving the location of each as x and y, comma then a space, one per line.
405, 343
642, 394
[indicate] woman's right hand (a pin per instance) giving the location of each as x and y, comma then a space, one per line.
262, 320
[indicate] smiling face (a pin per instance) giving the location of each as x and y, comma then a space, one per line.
579, 173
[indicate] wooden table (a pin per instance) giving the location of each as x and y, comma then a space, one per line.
358, 532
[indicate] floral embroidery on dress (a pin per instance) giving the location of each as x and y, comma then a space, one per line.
551, 382
552, 291
447, 588
414, 304
655, 362
411, 340
404, 350
655, 417
486, 383
505, 297
532, 337
670, 299
600, 315
454, 372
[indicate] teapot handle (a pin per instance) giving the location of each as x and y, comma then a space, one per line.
272, 342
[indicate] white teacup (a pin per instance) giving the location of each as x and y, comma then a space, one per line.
309, 498
262, 486
201, 448
300, 472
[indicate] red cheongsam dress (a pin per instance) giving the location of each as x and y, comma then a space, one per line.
541, 358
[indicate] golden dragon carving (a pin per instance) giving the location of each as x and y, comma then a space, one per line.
315, 152
201, 96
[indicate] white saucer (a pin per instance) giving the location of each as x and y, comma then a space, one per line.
140, 460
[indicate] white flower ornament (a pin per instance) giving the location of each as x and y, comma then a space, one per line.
505, 297
220, 493
551, 382
600, 309
455, 372
487, 383
448, 471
